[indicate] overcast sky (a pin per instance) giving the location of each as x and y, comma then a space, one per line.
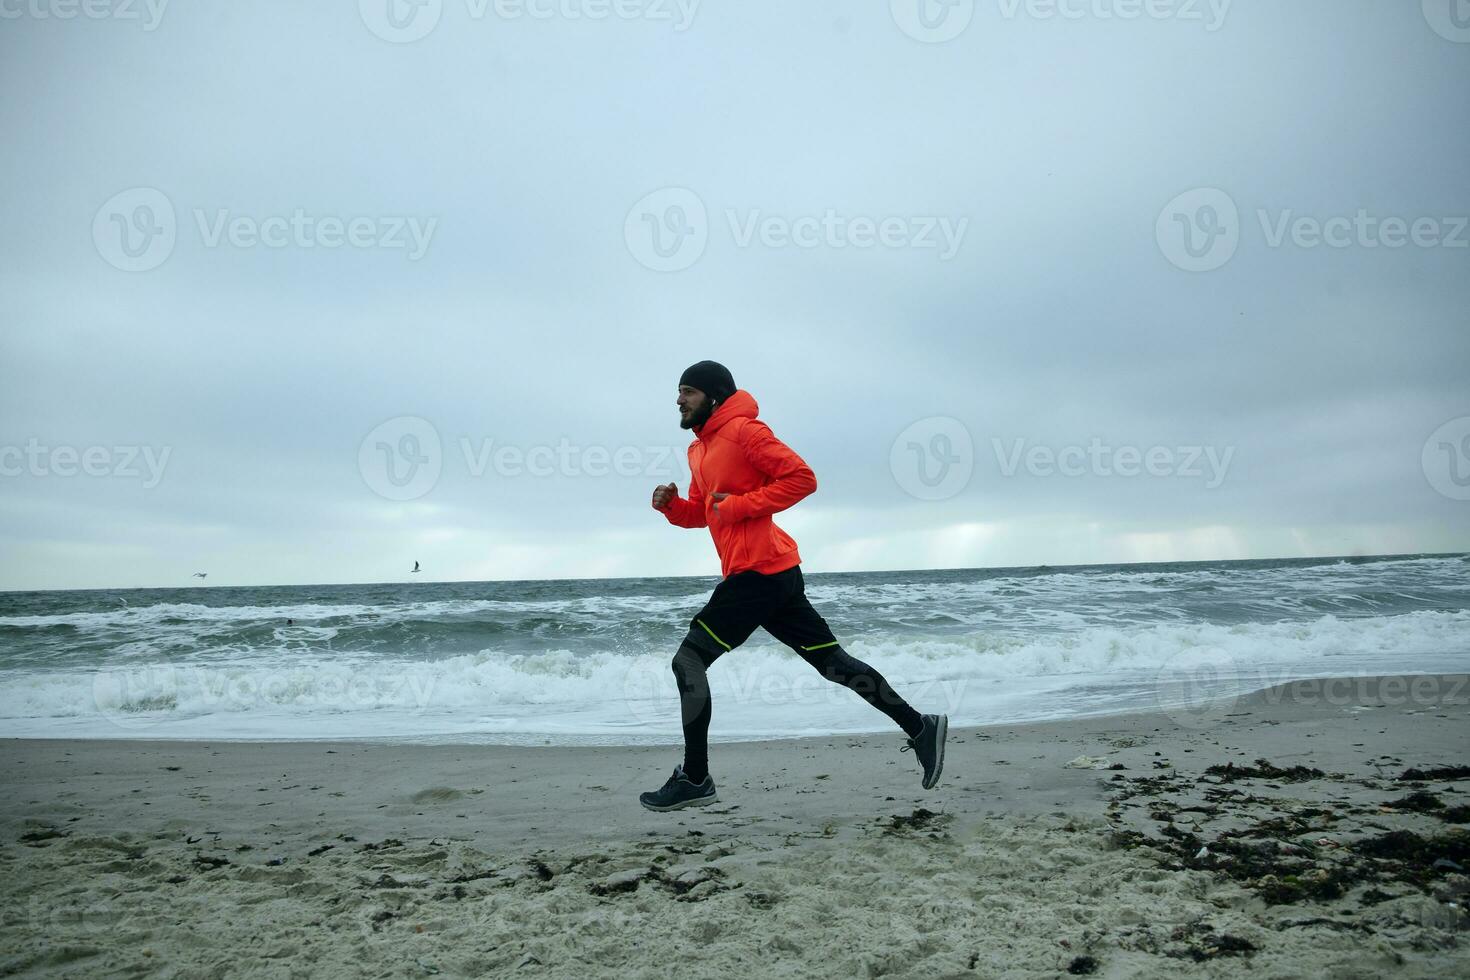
1024, 285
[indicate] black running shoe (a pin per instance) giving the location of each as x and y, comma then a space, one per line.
679, 792
928, 745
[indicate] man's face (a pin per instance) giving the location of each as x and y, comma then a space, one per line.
695, 407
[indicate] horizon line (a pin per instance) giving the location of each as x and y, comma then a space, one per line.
630, 578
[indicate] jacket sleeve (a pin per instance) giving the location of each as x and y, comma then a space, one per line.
687, 513
791, 478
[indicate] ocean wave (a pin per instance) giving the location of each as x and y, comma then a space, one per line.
362, 695
175, 613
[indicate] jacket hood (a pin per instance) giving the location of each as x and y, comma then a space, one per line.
740, 405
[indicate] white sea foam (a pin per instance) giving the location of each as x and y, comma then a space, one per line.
759, 690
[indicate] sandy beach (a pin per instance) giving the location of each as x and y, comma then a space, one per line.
1310, 829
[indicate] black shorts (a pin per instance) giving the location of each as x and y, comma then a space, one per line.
747, 600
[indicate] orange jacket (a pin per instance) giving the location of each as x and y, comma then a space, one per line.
736, 454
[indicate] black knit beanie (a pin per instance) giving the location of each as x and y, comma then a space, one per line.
710, 377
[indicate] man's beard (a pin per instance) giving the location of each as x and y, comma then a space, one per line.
698, 417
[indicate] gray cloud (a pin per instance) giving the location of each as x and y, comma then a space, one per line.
530, 321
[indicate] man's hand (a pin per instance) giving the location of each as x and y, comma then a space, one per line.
662, 495
717, 497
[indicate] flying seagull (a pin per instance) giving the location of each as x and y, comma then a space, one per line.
415, 566
200, 575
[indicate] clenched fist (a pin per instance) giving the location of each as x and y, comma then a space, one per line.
662, 495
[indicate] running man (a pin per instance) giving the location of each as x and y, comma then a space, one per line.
741, 474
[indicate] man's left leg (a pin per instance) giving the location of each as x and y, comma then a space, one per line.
840, 667
802, 628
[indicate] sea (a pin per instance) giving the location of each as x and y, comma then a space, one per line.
575, 662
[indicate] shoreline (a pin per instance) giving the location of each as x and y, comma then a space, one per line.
407, 859
1092, 699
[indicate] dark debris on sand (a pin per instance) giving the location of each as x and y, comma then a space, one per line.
1290, 851
1195, 941
921, 819
1263, 769
1440, 772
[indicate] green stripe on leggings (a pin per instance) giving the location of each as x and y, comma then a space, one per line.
821, 646
712, 633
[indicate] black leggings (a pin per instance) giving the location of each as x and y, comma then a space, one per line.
691, 666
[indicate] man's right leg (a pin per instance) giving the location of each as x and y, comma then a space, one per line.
691, 667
